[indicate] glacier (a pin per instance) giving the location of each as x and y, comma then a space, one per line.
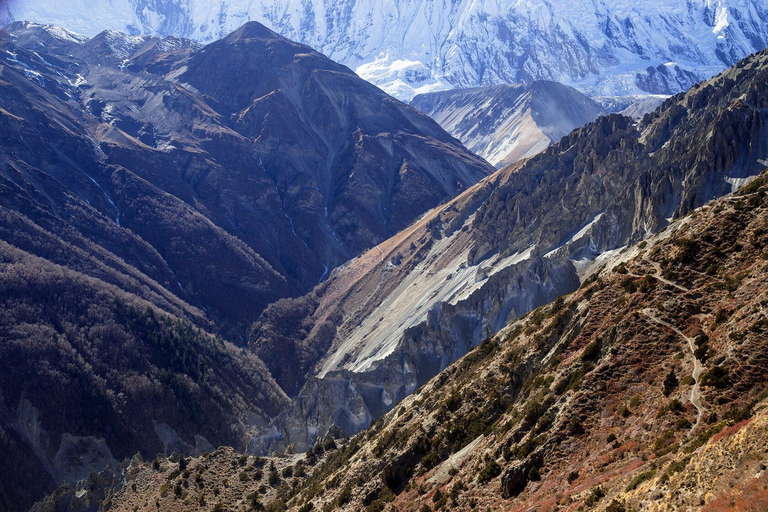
407, 47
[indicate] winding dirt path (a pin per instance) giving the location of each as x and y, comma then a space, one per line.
698, 368
657, 275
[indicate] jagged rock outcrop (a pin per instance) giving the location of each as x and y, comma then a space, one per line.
518, 240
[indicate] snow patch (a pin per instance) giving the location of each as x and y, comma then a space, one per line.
404, 79
109, 200
721, 22
737, 183
576, 236
34, 76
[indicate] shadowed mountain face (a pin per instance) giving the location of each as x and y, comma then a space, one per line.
154, 189
507, 123
244, 170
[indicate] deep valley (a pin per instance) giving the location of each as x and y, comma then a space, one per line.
235, 275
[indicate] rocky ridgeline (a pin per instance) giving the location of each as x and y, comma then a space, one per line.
389, 321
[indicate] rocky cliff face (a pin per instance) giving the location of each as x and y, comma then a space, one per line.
504, 124
400, 313
708, 138
617, 397
614, 47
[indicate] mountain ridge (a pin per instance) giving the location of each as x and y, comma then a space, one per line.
581, 329
520, 239
146, 215
305, 190
507, 123
604, 48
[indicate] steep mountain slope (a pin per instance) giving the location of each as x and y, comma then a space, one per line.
602, 47
284, 162
643, 390
617, 397
507, 123
386, 322
92, 374
144, 206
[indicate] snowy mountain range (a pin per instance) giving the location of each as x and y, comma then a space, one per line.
602, 47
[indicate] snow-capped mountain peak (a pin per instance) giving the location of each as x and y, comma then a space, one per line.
602, 47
